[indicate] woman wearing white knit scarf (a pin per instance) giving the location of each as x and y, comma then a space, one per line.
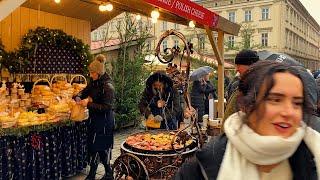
266, 133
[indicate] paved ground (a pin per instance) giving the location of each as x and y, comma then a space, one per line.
120, 136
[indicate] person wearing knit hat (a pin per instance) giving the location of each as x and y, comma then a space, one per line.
97, 65
244, 59
99, 97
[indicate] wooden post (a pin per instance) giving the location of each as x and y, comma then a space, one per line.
218, 51
221, 75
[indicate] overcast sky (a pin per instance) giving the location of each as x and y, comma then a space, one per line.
313, 6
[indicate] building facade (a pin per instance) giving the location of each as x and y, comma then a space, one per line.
278, 25
275, 25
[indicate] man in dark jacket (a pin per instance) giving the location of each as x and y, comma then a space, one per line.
98, 97
243, 60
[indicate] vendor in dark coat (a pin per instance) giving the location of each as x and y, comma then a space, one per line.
98, 96
160, 101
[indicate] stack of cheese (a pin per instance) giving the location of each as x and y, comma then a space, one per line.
78, 87
7, 120
62, 88
42, 94
28, 119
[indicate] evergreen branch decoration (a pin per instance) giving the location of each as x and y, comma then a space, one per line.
51, 37
10, 61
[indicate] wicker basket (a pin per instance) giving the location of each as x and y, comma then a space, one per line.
39, 80
61, 76
79, 76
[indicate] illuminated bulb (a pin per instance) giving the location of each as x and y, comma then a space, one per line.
109, 6
57, 1
155, 14
191, 24
102, 7
138, 17
154, 20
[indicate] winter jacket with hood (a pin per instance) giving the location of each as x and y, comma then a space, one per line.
149, 99
101, 118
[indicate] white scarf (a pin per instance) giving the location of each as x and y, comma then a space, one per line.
245, 149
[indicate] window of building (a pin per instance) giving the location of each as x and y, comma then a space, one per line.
140, 25
176, 43
164, 45
232, 16
176, 26
247, 16
164, 25
265, 13
231, 41
148, 45
95, 36
202, 42
264, 39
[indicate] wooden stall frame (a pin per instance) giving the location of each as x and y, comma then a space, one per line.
169, 11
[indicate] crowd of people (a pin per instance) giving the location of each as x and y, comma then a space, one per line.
270, 129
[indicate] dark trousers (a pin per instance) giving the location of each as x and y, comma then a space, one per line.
104, 157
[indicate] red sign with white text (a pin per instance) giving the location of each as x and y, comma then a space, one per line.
188, 10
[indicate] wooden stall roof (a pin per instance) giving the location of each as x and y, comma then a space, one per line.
88, 10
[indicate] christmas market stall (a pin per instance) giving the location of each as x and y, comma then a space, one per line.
42, 129
44, 44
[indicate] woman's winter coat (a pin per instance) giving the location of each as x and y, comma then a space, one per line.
101, 118
207, 162
149, 99
198, 97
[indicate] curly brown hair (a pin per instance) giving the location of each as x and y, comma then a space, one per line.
260, 77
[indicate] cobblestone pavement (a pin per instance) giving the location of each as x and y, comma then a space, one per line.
119, 137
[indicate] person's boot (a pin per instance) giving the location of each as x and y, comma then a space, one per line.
109, 173
92, 172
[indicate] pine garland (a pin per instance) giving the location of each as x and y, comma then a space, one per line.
20, 59
22, 131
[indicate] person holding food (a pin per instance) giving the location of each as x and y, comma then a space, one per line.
98, 97
269, 138
159, 102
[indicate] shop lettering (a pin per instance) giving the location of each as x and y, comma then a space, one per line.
167, 2
187, 9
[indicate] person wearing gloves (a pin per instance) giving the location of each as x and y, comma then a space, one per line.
159, 101
269, 138
244, 59
98, 97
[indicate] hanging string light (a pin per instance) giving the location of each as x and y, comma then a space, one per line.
109, 6
155, 14
191, 24
102, 7
154, 20
106, 7
138, 17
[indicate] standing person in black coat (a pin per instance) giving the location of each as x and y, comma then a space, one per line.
200, 89
98, 97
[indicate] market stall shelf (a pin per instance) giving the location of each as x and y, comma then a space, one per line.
51, 153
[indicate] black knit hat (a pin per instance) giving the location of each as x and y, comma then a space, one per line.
246, 57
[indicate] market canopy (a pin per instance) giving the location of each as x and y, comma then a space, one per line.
179, 11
